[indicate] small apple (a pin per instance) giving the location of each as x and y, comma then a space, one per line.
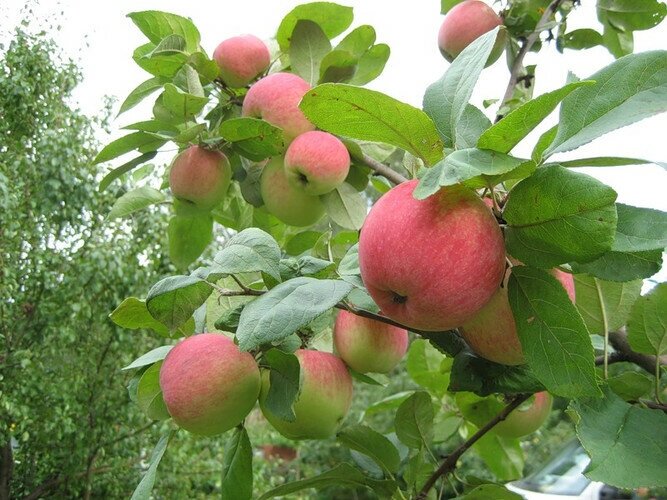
200, 177
367, 345
431, 264
208, 384
325, 395
288, 203
241, 59
317, 162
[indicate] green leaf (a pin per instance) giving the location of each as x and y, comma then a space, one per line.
338, 66
503, 456
286, 308
358, 41
133, 314
556, 216
302, 242
543, 143
446, 5
251, 250
428, 367
181, 104
606, 161
472, 124
622, 266
628, 90
155, 126
619, 43
369, 115
188, 238
187, 79
445, 101
157, 354
149, 394
123, 169
371, 443
135, 200
389, 403
553, 335
127, 143
414, 420
253, 138
173, 300
633, 15
308, 45
371, 64
640, 229
584, 38
237, 466
509, 131
332, 18
145, 486
486, 491
142, 91
285, 372
627, 444
161, 65
346, 206
596, 298
647, 326
630, 385
169, 45
158, 25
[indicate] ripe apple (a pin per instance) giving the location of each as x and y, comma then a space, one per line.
431, 264
208, 384
275, 98
324, 397
200, 177
241, 59
288, 203
317, 162
367, 345
466, 22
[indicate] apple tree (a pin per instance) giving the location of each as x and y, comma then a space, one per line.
298, 195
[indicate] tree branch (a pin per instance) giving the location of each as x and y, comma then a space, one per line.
449, 463
619, 341
383, 170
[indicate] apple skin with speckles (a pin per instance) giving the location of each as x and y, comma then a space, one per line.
324, 397
241, 59
431, 264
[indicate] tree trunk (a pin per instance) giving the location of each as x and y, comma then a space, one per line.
6, 469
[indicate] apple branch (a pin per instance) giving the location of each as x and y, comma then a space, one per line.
383, 170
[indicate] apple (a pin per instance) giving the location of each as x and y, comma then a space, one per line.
208, 384
288, 203
317, 162
325, 395
200, 177
275, 98
431, 264
466, 22
241, 59
368, 345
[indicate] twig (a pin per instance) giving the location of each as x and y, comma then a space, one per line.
619, 341
383, 170
449, 463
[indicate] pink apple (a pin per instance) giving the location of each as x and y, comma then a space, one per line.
317, 162
200, 177
241, 59
431, 264
527, 418
208, 384
368, 345
275, 98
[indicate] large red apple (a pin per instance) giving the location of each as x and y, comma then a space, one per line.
200, 177
368, 345
241, 59
431, 264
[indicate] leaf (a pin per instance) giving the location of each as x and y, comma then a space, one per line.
338, 66
622, 266
157, 25
503, 456
285, 372
627, 444
445, 101
142, 91
388, 403
181, 104
446, 5
173, 300
595, 296
630, 385
647, 326
253, 138
555, 342
543, 143
606, 161
628, 90
149, 394
428, 367
584, 38
414, 420
371, 64
332, 18
640, 229
160, 65
302, 242
509, 131
188, 238
371, 443
308, 45
556, 216
486, 491
187, 79
123, 169
237, 466
153, 356
251, 250
472, 124
128, 143
358, 41
346, 206
169, 45
365, 114
631, 15
286, 308
133, 314
135, 200
145, 486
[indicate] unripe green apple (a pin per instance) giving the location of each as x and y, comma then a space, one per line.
200, 177
288, 203
464, 24
325, 395
317, 162
431, 264
241, 59
208, 384
275, 98
367, 345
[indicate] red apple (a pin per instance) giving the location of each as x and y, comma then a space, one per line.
200, 177
241, 59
